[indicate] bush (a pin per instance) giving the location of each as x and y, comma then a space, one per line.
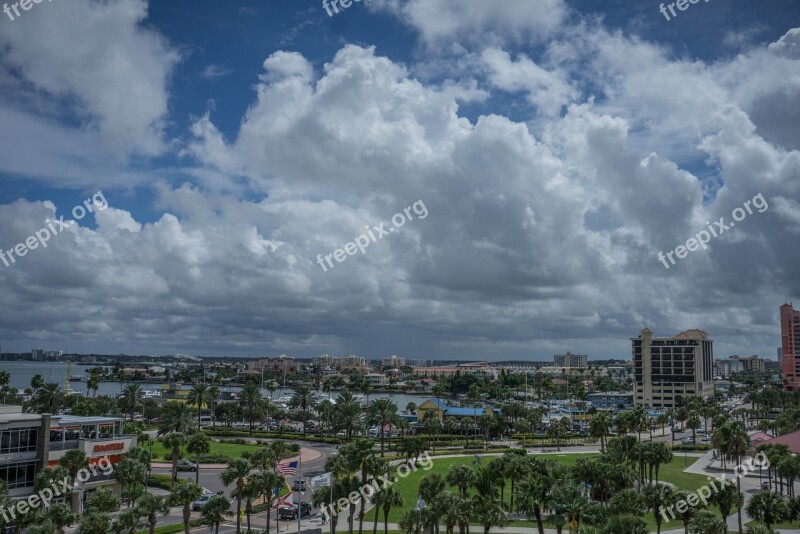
316, 438
161, 481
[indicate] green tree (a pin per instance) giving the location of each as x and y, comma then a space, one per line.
103, 501
706, 522
94, 523
184, 495
391, 498
131, 398
250, 397
198, 444
237, 472
657, 497
199, 396
303, 398
73, 461
726, 498
215, 511
150, 507
176, 417
767, 507
61, 516
173, 443
382, 412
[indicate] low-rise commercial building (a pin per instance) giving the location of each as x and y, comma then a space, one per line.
32, 442
613, 400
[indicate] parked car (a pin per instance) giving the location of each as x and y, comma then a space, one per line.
687, 441
299, 485
290, 512
197, 505
186, 465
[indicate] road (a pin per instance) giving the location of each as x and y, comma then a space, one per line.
210, 479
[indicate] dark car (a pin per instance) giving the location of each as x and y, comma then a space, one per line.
299, 485
290, 512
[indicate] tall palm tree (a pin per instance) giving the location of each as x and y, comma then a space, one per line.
150, 507
600, 427
237, 471
250, 397
131, 398
184, 495
266, 481
726, 498
73, 461
391, 498
199, 396
657, 497
61, 516
462, 477
382, 412
767, 507
431, 487
173, 442
303, 398
486, 502
176, 417
347, 414
736, 448
198, 444
215, 511
48, 398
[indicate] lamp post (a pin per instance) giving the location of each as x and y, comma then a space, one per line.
420, 509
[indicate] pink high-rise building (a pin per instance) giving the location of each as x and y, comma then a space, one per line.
790, 347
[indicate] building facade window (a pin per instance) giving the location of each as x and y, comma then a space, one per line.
18, 440
19, 475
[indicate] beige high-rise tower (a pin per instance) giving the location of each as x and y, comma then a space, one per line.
671, 367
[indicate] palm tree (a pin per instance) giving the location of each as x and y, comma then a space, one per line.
250, 397
214, 511
347, 414
706, 522
571, 502
150, 507
61, 516
94, 523
199, 395
391, 498
184, 495
461, 476
48, 398
37, 382
600, 427
694, 423
173, 442
736, 448
486, 503
237, 471
430, 488
657, 497
767, 507
130, 474
726, 498
382, 412
198, 444
303, 398
127, 522
411, 522
679, 500
73, 461
131, 398
266, 481
176, 417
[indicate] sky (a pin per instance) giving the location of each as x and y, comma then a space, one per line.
436, 179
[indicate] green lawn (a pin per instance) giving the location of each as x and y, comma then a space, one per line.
408, 487
232, 450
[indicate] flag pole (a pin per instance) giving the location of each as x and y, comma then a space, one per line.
299, 489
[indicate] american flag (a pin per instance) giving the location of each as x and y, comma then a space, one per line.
287, 468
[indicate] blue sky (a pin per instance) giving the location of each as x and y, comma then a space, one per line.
559, 145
